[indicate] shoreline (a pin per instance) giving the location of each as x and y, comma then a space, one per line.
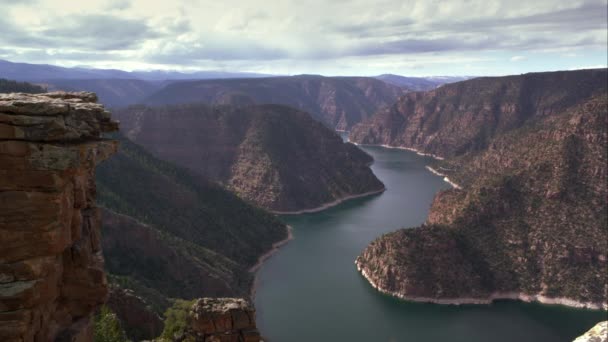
445, 177
418, 152
329, 204
487, 300
275, 248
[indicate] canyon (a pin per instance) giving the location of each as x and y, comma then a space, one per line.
529, 222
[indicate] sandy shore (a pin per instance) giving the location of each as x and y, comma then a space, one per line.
538, 298
330, 204
445, 178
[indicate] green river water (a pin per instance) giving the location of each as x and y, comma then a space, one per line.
311, 291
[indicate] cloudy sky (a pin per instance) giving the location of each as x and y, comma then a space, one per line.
331, 37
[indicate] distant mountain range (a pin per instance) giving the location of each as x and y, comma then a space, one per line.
45, 72
420, 83
339, 102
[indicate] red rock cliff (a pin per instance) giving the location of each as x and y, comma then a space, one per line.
51, 266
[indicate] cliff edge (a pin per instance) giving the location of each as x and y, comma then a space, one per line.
51, 266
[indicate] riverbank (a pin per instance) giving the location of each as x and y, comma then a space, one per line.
418, 152
445, 177
330, 204
487, 300
275, 248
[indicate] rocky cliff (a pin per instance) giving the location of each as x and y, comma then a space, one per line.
51, 266
463, 117
222, 319
530, 220
274, 156
338, 102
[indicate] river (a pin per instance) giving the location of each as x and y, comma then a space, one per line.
311, 291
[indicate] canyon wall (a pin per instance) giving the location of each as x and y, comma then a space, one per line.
464, 117
51, 267
530, 220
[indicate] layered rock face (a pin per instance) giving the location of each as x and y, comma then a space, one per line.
223, 319
338, 102
274, 156
462, 117
51, 266
530, 220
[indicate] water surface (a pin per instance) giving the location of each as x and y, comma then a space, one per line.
311, 291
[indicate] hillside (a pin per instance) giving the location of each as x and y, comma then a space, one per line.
530, 222
167, 234
274, 156
339, 102
214, 231
465, 116
111, 92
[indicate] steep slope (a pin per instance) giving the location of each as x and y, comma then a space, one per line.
51, 267
530, 222
111, 92
461, 117
194, 237
339, 102
274, 156
168, 234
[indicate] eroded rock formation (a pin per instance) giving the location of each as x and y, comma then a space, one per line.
223, 319
51, 266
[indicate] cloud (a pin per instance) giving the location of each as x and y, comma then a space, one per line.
517, 58
297, 34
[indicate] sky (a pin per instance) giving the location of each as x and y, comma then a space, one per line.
329, 37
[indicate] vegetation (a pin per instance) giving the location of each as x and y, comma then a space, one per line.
180, 236
107, 327
9, 86
176, 319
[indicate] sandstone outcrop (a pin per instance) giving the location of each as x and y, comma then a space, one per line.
51, 266
223, 319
